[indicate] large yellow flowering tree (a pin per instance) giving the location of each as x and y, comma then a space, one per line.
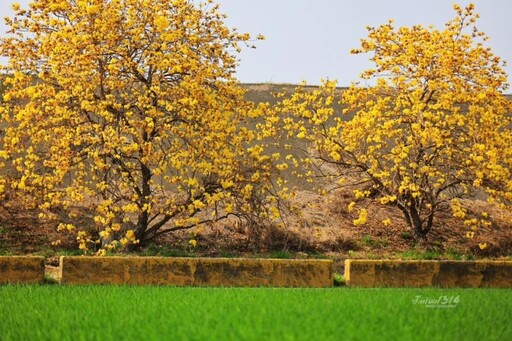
129, 107
432, 127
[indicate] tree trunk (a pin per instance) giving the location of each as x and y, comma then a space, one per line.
419, 227
143, 218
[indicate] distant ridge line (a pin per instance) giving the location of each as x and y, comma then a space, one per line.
307, 86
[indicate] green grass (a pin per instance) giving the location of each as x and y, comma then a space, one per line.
4, 248
450, 254
374, 243
167, 313
415, 254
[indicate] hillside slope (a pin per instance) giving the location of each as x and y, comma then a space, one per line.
320, 224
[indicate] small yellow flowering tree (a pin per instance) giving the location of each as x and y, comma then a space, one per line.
130, 107
434, 128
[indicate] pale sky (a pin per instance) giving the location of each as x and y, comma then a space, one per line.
311, 39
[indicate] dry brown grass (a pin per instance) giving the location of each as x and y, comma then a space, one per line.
318, 225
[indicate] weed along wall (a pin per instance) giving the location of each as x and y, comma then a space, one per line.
196, 271
445, 274
21, 270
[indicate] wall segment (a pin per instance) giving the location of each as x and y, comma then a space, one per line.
196, 271
21, 270
444, 274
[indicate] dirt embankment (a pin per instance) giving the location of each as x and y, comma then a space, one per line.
319, 226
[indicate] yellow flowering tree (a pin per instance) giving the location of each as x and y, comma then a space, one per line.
129, 107
434, 128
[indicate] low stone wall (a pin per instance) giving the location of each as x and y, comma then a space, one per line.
196, 271
21, 270
444, 274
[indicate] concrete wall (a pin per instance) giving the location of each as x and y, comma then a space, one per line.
445, 274
196, 271
21, 269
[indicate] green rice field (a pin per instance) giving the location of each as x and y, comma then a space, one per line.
168, 313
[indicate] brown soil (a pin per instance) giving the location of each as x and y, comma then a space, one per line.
319, 227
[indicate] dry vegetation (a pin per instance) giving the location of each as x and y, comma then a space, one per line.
320, 226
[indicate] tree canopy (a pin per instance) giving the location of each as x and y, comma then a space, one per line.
131, 110
434, 126
131, 107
